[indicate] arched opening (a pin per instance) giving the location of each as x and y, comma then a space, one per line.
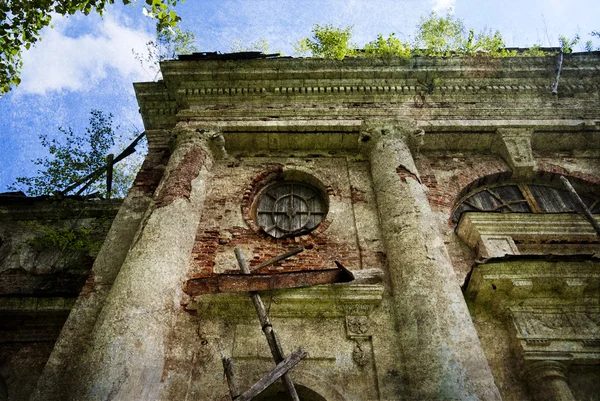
538, 197
276, 392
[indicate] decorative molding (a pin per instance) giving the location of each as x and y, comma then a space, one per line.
537, 282
358, 328
516, 149
499, 234
360, 356
371, 89
542, 333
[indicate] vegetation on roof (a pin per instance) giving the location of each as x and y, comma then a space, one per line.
435, 36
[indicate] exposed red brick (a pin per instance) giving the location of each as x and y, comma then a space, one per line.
179, 182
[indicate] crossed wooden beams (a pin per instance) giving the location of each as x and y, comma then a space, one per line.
283, 364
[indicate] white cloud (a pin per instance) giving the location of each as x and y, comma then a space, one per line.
441, 6
64, 63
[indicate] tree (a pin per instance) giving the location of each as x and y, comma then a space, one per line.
392, 46
567, 44
168, 44
21, 22
75, 156
327, 41
439, 35
445, 36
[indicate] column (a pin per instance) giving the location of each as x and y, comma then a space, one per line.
548, 381
61, 370
126, 356
442, 356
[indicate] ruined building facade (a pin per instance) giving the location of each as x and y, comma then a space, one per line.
436, 181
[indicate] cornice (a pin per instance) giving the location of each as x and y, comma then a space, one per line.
433, 88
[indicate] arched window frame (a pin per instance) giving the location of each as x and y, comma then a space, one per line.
533, 197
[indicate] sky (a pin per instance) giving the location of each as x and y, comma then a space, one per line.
88, 62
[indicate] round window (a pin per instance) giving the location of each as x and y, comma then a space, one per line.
289, 208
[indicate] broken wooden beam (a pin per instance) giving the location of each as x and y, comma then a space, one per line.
271, 377
581, 205
267, 329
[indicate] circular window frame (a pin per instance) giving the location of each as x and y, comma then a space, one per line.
276, 175
296, 210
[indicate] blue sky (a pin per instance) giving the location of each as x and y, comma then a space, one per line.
86, 62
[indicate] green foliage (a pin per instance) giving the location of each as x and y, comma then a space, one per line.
327, 41
446, 36
73, 157
439, 36
79, 239
589, 45
566, 44
534, 51
21, 22
436, 36
392, 46
171, 42
428, 82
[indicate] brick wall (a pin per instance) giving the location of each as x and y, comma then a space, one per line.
227, 222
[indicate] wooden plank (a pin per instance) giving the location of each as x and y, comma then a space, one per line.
264, 282
109, 174
267, 329
228, 367
282, 368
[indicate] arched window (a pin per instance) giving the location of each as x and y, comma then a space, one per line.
523, 198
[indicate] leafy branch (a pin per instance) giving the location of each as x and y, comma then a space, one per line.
77, 159
21, 23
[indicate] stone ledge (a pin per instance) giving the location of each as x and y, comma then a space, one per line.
534, 282
333, 300
499, 234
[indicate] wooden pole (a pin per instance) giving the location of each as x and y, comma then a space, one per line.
228, 367
109, 174
584, 209
267, 329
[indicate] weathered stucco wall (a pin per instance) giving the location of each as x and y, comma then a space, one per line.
47, 248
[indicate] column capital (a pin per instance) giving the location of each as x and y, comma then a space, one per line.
383, 129
210, 138
539, 371
547, 380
